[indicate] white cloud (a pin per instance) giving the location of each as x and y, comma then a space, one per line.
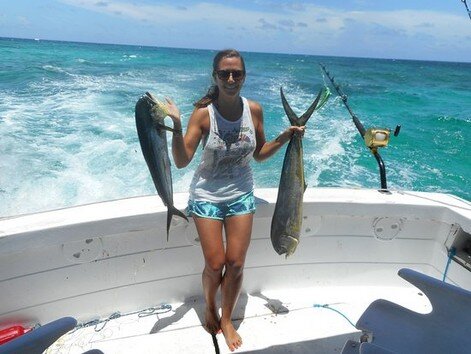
405, 20
308, 30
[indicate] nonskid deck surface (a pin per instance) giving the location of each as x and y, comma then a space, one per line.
278, 321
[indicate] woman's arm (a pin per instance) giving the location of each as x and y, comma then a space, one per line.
184, 147
266, 149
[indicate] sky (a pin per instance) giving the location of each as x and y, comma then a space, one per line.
396, 29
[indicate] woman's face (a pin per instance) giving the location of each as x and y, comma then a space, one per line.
230, 76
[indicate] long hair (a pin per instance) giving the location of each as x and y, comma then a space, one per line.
213, 91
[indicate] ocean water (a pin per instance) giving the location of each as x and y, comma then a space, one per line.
68, 135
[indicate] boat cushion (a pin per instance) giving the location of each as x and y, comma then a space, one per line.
399, 330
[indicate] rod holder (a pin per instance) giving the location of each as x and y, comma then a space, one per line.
374, 137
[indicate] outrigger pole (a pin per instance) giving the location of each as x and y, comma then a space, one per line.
467, 8
373, 137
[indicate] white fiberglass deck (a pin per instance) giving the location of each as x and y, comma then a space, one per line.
270, 322
94, 260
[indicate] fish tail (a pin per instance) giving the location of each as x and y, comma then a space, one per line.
293, 119
170, 213
320, 100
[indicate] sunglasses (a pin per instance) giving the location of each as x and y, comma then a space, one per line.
237, 75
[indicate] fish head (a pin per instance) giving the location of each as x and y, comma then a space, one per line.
289, 244
159, 112
158, 109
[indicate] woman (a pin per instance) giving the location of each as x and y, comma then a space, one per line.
221, 193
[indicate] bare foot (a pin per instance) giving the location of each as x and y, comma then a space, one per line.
233, 340
212, 324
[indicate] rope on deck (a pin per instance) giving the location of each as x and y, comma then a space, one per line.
326, 306
157, 310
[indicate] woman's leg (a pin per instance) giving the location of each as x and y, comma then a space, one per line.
238, 233
210, 235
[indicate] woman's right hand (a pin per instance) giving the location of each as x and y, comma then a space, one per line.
286, 135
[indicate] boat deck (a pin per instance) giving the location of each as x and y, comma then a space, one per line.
282, 321
90, 261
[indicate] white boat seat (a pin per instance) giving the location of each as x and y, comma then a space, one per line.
396, 329
38, 340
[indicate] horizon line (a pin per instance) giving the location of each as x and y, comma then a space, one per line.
243, 51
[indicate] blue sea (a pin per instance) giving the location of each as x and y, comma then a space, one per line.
68, 134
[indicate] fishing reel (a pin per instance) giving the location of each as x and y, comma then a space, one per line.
379, 137
374, 138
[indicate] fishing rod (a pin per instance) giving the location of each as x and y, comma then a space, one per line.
374, 137
467, 8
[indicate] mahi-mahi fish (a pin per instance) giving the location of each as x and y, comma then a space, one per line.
287, 217
150, 115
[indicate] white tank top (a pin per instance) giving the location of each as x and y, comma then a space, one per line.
224, 172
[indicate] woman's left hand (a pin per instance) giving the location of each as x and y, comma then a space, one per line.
286, 135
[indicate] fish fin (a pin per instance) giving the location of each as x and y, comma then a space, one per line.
320, 100
293, 118
324, 98
170, 213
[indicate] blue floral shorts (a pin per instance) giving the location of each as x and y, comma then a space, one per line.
245, 204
